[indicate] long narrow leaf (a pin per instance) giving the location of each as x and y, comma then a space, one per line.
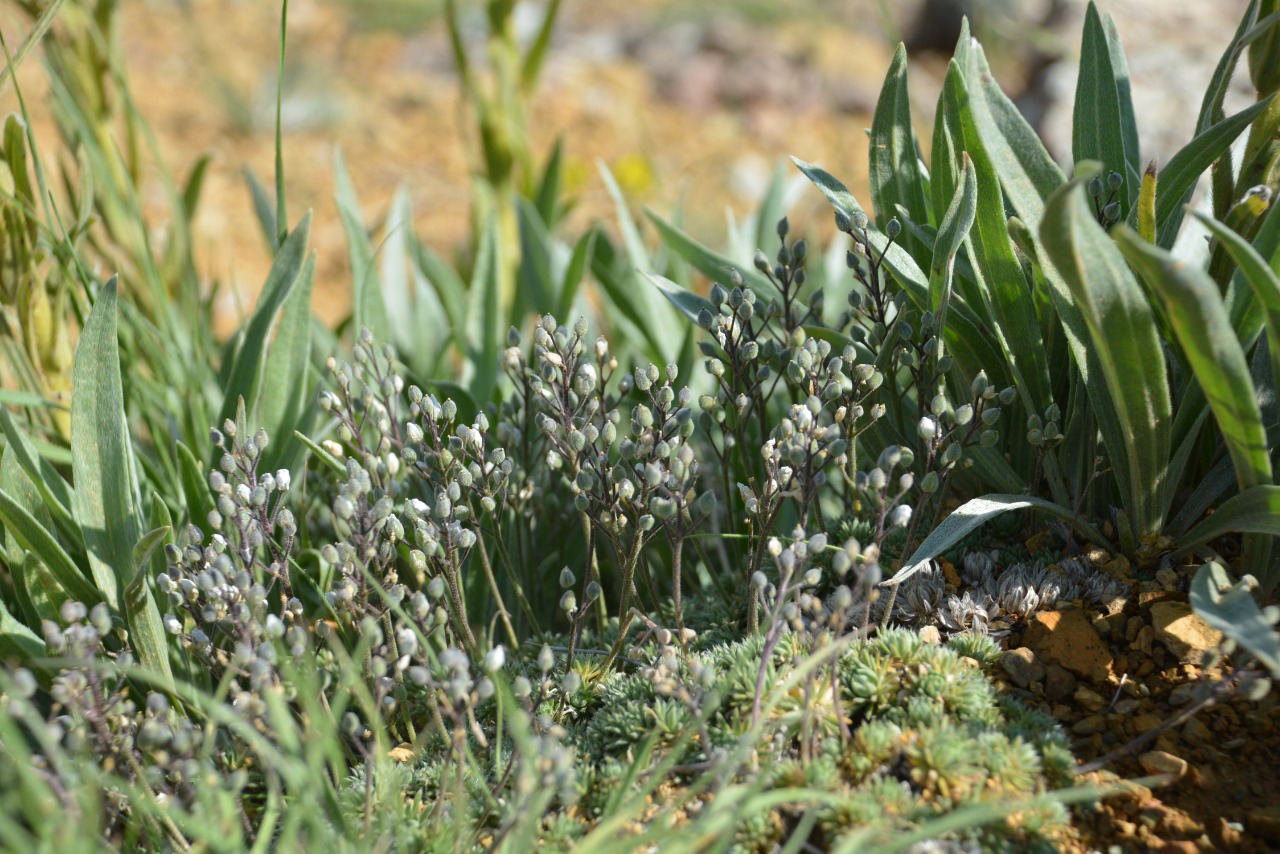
249, 367
968, 517
34, 537
1254, 511
1131, 394
1027, 172
1177, 180
1194, 307
101, 457
1098, 130
894, 166
286, 389
366, 291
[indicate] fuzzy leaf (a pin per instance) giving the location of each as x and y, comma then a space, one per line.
101, 457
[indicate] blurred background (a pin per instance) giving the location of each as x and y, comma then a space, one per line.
691, 103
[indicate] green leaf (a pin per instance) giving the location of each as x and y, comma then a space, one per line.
146, 630
683, 299
249, 366
101, 457
195, 488
366, 291
286, 389
710, 264
968, 517
1195, 310
952, 232
397, 248
1103, 115
966, 337
1254, 511
17, 642
547, 199
54, 491
321, 454
1121, 360
34, 537
1002, 284
1027, 173
1230, 608
894, 167
444, 280
537, 288
486, 323
23, 565
576, 271
1177, 180
193, 185
263, 209
1263, 279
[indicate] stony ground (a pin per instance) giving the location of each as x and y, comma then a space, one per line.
693, 103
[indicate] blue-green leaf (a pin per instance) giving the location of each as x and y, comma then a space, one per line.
894, 167
1121, 362
101, 456
245, 378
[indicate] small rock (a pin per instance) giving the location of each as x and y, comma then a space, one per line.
1145, 722
1265, 822
931, 635
1184, 846
1143, 642
1132, 627
1090, 699
401, 753
1090, 725
1058, 682
1118, 568
1022, 666
1168, 578
1185, 634
1067, 638
1183, 694
1127, 706
1196, 732
1160, 762
1222, 834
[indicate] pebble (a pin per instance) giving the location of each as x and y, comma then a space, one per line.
931, 635
1058, 682
1160, 762
1090, 725
1090, 699
1067, 638
1182, 632
1265, 822
1022, 666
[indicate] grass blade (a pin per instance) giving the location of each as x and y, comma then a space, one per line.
286, 390
146, 631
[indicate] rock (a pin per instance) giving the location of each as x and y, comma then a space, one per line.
1090, 725
1160, 762
1183, 694
931, 635
1058, 682
1118, 568
401, 753
1067, 638
1090, 699
1182, 632
1265, 822
1022, 666
1168, 578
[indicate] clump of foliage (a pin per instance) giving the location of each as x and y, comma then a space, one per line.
539, 586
